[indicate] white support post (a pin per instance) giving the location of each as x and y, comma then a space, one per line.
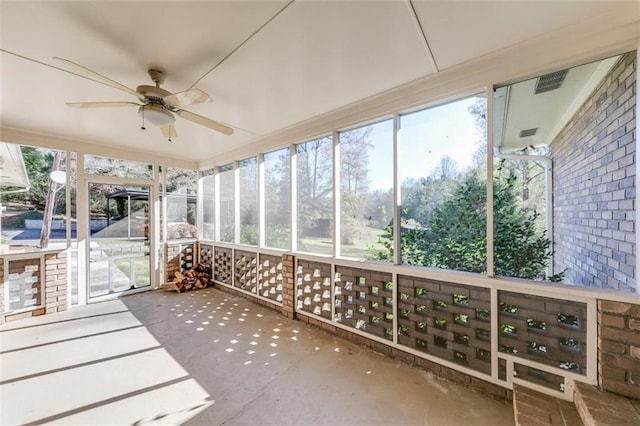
333, 292
216, 203
490, 269
397, 196
200, 205
236, 202
592, 339
293, 197
82, 230
396, 300
494, 332
163, 216
154, 226
67, 200
261, 202
337, 232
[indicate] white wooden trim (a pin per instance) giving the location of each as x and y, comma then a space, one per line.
216, 203
337, 213
489, 231
293, 196
261, 202
236, 202
397, 195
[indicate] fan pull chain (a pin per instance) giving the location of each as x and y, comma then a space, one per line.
142, 127
169, 133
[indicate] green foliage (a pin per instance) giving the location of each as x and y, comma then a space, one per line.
38, 163
249, 234
455, 237
278, 237
18, 221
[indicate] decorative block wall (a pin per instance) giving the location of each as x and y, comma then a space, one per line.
25, 285
205, 257
594, 185
246, 271
619, 347
363, 300
37, 284
270, 277
313, 288
223, 265
449, 321
548, 331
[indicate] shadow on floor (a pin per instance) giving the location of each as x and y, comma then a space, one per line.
92, 365
261, 368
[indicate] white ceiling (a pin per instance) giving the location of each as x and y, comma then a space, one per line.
304, 59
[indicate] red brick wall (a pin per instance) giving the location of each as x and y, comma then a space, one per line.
619, 347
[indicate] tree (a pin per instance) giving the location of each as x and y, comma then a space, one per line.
354, 181
314, 161
455, 238
277, 195
37, 163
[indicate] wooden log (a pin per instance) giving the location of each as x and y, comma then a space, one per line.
171, 286
180, 276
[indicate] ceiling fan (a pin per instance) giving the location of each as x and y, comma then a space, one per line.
156, 105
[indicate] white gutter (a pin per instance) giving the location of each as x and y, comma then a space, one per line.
548, 190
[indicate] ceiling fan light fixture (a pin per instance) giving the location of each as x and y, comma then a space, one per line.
156, 115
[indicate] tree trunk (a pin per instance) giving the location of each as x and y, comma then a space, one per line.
50, 203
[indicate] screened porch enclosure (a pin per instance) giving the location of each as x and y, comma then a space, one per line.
465, 204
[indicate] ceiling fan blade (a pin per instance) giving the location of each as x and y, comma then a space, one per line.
169, 131
204, 121
99, 78
180, 99
101, 104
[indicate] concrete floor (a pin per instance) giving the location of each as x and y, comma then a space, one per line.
210, 358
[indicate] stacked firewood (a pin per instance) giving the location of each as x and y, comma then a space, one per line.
194, 278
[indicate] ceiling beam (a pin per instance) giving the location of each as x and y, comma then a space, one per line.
423, 36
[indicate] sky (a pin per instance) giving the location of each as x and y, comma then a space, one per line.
424, 138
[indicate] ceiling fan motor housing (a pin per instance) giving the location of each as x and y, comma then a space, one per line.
153, 94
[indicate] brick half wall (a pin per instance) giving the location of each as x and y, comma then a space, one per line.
53, 282
619, 348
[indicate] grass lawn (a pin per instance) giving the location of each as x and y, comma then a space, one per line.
139, 253
366, 238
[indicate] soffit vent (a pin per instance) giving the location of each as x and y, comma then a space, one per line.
551, 81
528, 132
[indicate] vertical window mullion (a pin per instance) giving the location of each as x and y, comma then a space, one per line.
216, 203
200, 205
261, 202
293, 197
236, 202
490, 251
337, 219
397, 196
